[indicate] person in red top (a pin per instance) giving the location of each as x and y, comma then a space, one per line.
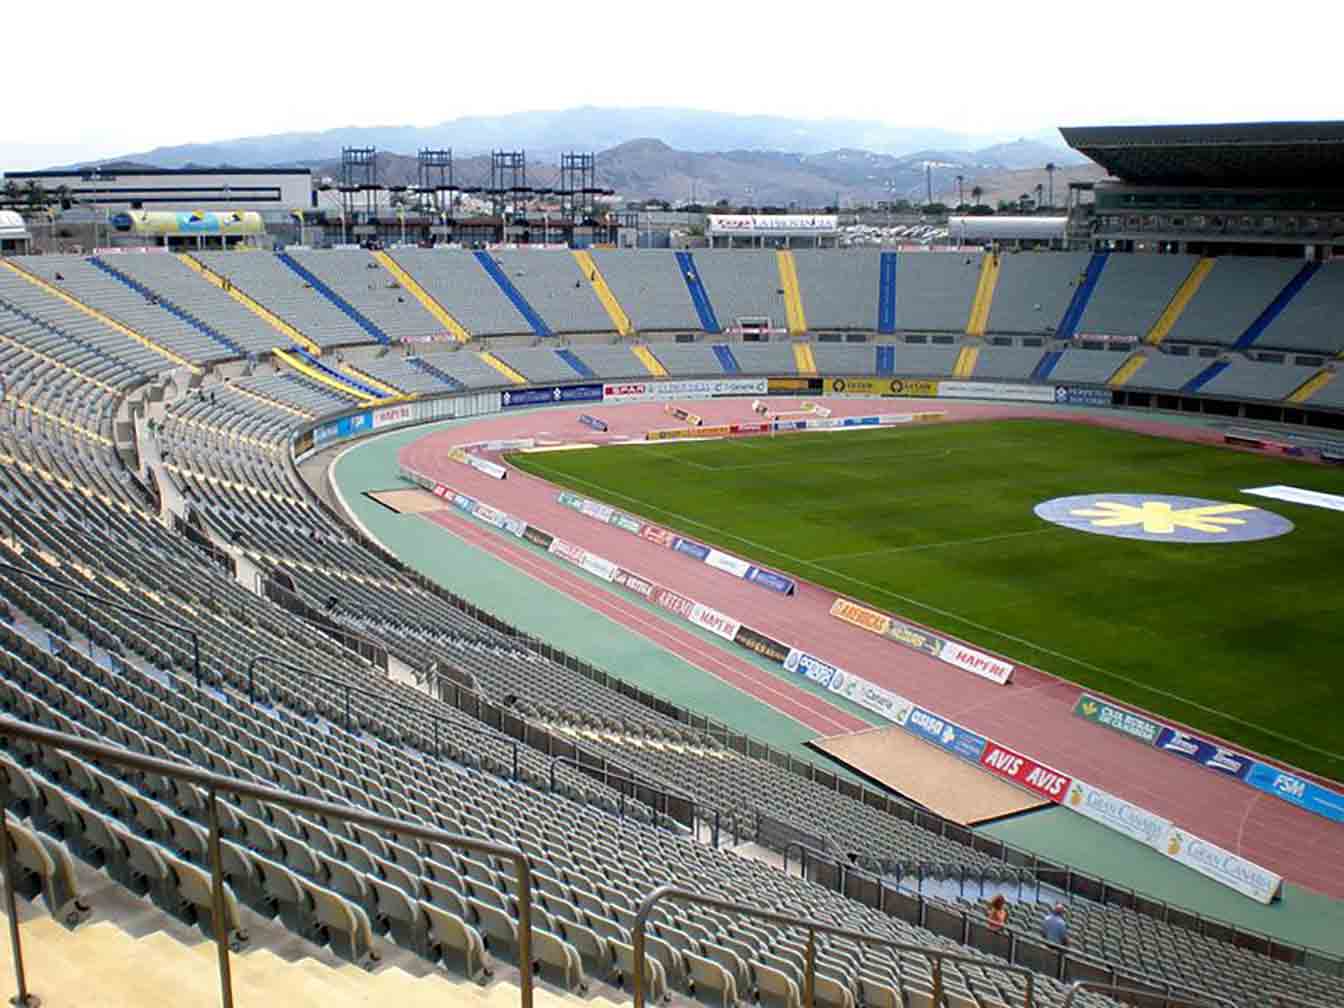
998, 913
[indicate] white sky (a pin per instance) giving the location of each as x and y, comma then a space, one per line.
118, 76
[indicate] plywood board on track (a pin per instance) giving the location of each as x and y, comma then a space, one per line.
939, 781
407, 501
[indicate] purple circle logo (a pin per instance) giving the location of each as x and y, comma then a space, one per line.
1162, 518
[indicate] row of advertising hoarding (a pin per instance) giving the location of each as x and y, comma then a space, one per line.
417, 411
1272, 780
1051, 785
708, 555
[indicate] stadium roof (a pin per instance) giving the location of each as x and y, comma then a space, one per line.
1234, 155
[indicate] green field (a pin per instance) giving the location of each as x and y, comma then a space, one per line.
935, 524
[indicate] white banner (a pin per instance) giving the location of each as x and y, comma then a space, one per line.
996, 390
595, 564
1296, 495
491, 469
593, 509
386, 416
490, 516
987, 667
745, 224
698, 389
730, 564
714, 621
1117, 814
1224, 867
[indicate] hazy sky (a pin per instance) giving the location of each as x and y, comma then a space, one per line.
118, 77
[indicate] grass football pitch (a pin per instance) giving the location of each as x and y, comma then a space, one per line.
935, 524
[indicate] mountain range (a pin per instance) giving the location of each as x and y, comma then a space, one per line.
698, 155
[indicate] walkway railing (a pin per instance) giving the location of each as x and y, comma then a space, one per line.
214, 785
813, 928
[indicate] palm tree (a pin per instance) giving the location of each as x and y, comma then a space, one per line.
976, 194
1050, 171
1039, 190
34, 195
961, 198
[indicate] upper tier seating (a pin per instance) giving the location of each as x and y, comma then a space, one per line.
1168, 372
935, 290
687, 360
774, 358
272, 284
541, 365
1311, 320
1236, 291
357, 277
650, 288
742, 284
1133, 292
556, 288
454, 279
839, 288
168, 276
1033, 290
1003, 363
611, 361
1244, 379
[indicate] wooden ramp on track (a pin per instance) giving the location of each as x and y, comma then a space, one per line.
922, 772
415, 501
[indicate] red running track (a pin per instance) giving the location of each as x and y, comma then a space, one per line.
1033, 715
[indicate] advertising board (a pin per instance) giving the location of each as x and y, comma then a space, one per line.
860, 616
1119, 815
1025, 772
1000, 391
1224, 867
1126, 722
1072, 395
996, 670
861, 386
1296, 790
1206, 753
960, 742
513, 398
706, 388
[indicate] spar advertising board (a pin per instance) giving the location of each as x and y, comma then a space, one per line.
707, 388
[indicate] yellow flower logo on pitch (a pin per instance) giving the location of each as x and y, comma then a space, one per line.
1160, 518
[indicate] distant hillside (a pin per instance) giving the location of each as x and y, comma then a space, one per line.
545, 134
649, 168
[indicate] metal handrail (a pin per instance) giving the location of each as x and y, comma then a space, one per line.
113, 604
214, 784
1168, 1001
628, 778
813, 927
349, 688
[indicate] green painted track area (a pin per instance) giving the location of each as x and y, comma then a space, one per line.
935, 523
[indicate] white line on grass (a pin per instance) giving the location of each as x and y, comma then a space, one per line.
1081, 663
938, 545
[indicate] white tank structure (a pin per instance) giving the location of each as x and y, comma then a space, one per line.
1006, 229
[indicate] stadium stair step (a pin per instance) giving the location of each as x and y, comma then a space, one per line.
1311, 386
651, 363
1046, 365
306, 366
886, 293
803, 359
412, 286
102, 317
1073, 314
793, 293
726, 359
251, 304
967, 358
709, 322
984, 294
423, 365
169, 306
604, 293
345, 306
100, 965
570, 358
497, 274
1127, 370
1281, 301
886, 360
368, 380
1177, 305
502, 368
1204, 377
